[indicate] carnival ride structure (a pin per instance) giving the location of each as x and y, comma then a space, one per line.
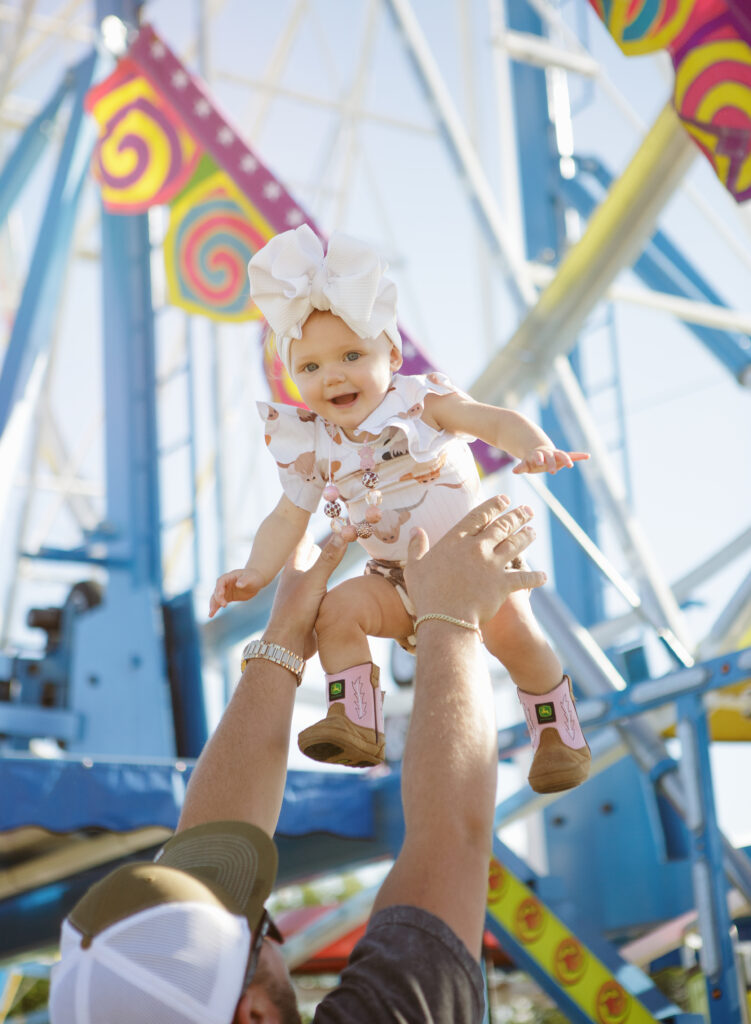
122, 506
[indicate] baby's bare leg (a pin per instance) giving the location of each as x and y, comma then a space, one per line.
353, 611
515, 638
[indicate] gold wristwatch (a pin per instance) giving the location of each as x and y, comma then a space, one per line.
275, 653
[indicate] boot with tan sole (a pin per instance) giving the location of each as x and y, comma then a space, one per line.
352, 731
562, 759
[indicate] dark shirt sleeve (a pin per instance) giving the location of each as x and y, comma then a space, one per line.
408, 968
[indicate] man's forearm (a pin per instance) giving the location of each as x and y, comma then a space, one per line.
448, 785
242, 771
450, 760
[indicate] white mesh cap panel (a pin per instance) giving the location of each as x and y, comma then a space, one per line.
178, 963
126, 1003
185, 957
63, 994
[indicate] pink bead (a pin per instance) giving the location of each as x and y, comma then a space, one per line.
331, 492
373, 514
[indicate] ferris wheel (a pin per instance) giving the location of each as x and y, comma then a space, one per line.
559, 243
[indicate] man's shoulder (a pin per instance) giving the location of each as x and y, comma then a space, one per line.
408, 966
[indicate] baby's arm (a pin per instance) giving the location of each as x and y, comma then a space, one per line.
503, 428
276, 539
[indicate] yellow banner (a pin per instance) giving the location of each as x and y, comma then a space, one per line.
547, 940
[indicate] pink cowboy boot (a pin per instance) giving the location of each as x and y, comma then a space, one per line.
352, 731
562, 758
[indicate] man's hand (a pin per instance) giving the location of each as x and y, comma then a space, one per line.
465, 574
236, 585
301, 588
546, 458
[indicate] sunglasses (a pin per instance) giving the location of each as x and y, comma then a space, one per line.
265, 927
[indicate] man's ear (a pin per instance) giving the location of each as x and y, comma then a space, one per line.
255, 1007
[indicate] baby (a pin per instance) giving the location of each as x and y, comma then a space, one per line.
392, 451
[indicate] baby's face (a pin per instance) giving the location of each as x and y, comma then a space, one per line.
340, 375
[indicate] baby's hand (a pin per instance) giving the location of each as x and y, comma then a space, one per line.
547, 459
237, 585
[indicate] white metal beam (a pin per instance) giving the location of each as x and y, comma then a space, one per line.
348, 127
275, 89
46, 25
508, 154
612, 630
9, 58
471, 169
689, 311
615, 235
539, 52
657, 598
731, 624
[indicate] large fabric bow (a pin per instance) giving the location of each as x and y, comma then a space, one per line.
290, 277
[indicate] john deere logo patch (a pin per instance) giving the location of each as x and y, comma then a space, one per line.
545, 713
336, 689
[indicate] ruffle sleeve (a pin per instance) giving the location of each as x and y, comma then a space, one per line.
403, 407
290, 435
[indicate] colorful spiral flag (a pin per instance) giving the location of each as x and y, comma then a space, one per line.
710, 44
642, 26
212, 234
713, 93
143, 156
281, 385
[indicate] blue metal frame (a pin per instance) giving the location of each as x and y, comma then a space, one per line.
115, 694
576, 577
717, 955
119, 677
327, 823
32, 328
663, 267
31, 145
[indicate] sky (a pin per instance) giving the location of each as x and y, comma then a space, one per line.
387, 178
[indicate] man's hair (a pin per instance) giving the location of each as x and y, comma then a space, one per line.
280, 992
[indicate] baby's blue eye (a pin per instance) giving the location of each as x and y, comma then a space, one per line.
351, 356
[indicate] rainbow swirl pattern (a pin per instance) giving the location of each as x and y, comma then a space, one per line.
144, 155
642, 26
213, 232
713, 100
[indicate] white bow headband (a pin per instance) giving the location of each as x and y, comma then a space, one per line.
290, 277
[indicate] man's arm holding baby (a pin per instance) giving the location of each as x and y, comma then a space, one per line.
241, 772
275, 540
502, 428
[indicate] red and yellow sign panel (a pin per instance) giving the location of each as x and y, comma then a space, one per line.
586, 979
